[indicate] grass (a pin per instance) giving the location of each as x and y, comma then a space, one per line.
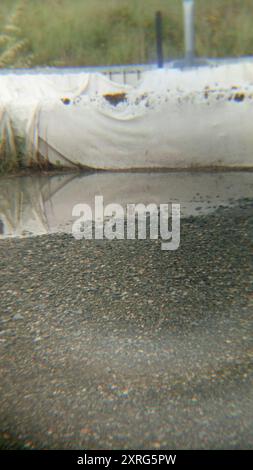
105, 32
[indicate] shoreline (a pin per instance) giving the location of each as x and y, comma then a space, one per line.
65, 170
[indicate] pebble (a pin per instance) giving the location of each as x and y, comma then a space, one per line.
18, 316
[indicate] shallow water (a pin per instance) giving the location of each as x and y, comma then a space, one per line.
41, 204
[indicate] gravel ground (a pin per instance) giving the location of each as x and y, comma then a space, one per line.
117, 344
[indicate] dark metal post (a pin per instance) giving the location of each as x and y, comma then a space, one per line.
159, 38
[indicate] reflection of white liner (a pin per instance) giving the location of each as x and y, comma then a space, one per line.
44, 204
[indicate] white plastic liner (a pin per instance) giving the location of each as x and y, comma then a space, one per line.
172, 119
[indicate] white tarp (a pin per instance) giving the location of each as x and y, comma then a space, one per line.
171, 118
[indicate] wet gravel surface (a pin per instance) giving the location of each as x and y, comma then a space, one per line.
121, 345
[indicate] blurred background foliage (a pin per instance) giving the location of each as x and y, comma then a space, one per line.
105, 32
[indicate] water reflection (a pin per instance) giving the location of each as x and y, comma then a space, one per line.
37, 204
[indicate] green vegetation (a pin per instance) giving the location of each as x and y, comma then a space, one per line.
105, 32
12, 150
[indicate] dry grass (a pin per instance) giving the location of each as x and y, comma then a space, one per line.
13, 47
105, 32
